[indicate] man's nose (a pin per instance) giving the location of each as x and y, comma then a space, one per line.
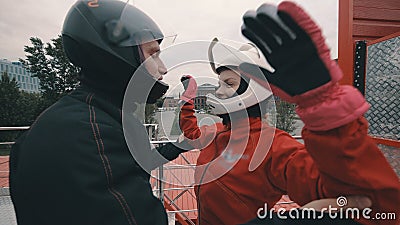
162, 69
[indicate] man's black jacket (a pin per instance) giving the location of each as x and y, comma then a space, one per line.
73, 167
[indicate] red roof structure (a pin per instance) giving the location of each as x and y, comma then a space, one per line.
4, 171
179, 196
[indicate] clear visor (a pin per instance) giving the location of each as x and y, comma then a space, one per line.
126, 31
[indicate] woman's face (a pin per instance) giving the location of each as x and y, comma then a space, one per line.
229, 82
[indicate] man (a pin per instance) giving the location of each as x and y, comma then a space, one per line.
74, 166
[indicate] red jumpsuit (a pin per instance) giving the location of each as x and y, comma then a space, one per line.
339, 162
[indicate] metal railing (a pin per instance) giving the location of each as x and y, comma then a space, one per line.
152, 130
162, 192
12, 129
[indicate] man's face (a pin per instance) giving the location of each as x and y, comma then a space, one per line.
153, 63
229, 82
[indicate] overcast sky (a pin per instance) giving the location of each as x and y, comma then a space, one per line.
189, 19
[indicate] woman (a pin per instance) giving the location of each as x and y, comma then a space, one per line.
245, 164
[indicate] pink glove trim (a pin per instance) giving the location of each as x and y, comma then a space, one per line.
317, 95
342, 105
282, 94
191, 91
312, 29
186, 100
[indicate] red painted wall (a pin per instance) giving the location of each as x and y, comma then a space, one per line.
363, 20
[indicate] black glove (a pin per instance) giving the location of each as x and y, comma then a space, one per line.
190, 85
304, 72
294, 47
185, 81
171, 150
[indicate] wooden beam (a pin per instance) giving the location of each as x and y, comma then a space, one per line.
384, 38
346, 44
370, 13
385, 4
387, 142
373, 30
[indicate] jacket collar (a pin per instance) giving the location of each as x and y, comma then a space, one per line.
243, 128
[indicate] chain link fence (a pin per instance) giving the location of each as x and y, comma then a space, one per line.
382, 89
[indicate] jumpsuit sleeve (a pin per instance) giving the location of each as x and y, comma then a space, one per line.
198, 137
338, 162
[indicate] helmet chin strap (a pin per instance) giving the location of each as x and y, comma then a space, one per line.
242, 86
252, 111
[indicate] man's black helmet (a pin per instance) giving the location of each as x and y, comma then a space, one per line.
109, 25
102, 38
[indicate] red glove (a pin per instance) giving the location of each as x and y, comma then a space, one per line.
304, 72
190, 85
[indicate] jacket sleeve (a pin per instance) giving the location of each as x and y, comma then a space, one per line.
161, 155
169, 151
198, 137
339, 162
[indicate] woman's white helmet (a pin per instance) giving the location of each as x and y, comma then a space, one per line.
224, 55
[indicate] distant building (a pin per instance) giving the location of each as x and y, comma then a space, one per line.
170, 103
205, 89
24, 78
200, 102
202, 91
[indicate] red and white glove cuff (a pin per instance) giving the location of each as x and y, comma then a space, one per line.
336, 106
185, 99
